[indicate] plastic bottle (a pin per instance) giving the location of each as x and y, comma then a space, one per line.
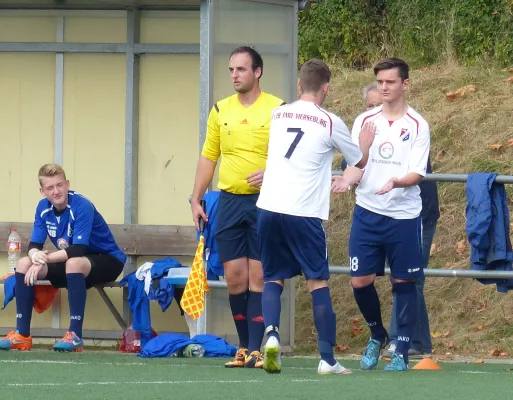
13, 250
193, 351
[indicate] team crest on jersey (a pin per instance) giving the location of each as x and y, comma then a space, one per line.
386, 150
62, 244
405, 135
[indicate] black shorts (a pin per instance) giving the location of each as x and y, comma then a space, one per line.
236, 226
104, 268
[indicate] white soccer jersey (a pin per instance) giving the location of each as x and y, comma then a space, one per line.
303, 138
399, 147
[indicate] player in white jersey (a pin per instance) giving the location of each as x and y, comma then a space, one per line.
293, 201
386, 219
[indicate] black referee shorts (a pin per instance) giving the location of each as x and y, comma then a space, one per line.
104, 268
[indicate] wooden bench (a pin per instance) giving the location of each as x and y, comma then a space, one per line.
136, 241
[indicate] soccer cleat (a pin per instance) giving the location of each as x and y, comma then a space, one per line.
325, 369
238, 360
371, 356
272, 356
254, 360
397, 363
415, 354
69, 343
15, 341
387, 355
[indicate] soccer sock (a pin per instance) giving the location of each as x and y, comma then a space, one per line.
77, 293
406, 315
271, 307
239, 307
325, 323
256, 325
24, 303
368, 302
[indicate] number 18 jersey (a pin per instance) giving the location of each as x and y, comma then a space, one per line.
303, 138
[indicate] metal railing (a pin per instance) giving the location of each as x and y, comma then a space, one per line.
440, 272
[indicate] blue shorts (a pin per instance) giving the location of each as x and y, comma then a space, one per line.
375, 237
236, 226
292, 246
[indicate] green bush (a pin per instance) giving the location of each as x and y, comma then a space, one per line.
356, 33
339, 29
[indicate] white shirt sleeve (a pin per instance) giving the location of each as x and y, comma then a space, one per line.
355, 132
341, 140
420, 151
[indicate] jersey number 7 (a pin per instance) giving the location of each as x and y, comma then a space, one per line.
293, 145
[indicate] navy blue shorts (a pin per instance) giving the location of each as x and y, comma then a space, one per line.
375, 237
292, 246
236, 226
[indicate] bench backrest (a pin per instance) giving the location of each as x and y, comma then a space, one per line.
134, 240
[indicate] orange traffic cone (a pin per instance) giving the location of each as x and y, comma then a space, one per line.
427, 364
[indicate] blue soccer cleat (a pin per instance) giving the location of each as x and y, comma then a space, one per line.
69, 343
397, 363
371, 355
15, 341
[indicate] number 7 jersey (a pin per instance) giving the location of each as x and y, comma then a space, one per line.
302, 141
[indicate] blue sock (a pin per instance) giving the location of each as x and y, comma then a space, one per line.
325, 323
406, 315
368, 303
24, 303
256, 325
239, 307
271, 307
77, 293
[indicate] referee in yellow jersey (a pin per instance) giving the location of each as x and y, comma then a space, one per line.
238, 130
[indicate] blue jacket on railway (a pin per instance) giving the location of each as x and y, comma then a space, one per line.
488, 228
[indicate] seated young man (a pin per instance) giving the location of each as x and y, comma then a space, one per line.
87, 255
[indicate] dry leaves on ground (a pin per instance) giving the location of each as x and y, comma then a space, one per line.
480, 327
461, 246
495, 146
355, 327
461, 92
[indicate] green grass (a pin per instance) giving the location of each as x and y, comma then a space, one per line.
100, 375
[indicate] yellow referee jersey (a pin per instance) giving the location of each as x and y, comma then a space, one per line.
240, 135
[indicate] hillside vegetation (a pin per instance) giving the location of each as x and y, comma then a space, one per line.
357, 32
470, 132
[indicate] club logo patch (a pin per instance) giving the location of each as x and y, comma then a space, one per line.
62, 244
386, 150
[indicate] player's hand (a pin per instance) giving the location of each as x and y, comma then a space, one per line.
197, 213
339, 184
31, 275
256, 178
367, 135
40, 257
388, 186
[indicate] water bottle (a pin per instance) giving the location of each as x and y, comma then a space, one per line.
13, 250
193, 351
